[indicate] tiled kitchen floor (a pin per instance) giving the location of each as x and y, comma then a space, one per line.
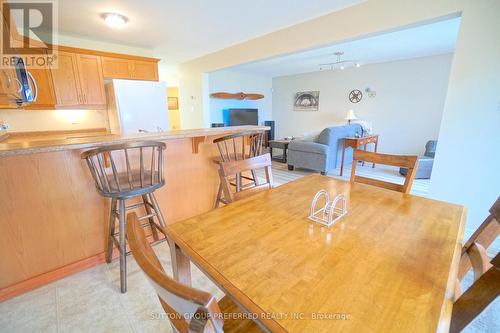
90, 301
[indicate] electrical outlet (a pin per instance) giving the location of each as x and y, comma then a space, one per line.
4, 125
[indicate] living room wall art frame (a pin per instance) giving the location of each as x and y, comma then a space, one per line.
306, 101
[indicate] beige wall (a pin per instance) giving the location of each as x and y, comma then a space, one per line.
406, 110
472, 93
368, 18
53, 120
467, 166
174, 115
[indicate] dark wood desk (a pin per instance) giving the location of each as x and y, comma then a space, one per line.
355, 143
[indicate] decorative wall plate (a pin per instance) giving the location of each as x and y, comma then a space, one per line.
355, 96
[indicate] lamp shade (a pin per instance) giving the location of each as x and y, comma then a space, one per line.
350, 115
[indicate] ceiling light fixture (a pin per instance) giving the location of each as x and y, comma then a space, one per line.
340, 64
114, 20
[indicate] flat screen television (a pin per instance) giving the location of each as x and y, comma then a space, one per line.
238, 117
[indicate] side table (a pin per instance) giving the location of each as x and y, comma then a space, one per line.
280, 144
355, 143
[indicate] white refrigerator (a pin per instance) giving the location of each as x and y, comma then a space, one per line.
136, 106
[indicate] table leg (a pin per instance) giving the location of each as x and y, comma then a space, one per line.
271, 152
284, 155
342, 162
181, 265
375, 150
363, 164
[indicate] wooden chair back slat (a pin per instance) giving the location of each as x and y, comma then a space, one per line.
129, 170
141, 166
379, 183
178, 300
408, 162
250, 191
236, 166
403, 161
115, 171
231, 168
121, 170
231, 152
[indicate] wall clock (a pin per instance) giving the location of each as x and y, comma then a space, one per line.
355, 96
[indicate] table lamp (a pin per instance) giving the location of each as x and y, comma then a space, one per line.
350, 116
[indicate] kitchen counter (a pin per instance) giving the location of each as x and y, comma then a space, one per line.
63, 142
53, 220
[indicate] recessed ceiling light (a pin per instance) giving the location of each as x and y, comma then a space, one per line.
114, 20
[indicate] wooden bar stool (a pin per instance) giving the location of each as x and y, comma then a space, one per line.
237, 147
127, 171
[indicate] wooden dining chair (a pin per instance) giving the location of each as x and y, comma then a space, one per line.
231, 168
486, 286
408, 162
483, 291
190, 310
481, 239
235, 147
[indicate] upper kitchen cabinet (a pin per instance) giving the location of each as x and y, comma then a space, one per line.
116, 68
145, 70
132, 68
78, 81
91, 81
65, 79
43, 89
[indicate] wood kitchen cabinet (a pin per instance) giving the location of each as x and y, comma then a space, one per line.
145, 70
116, 68
65, 79
45, 95
131, 69
91, 80
43, 89
78, 81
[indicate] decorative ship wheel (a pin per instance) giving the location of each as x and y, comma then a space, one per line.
355, 96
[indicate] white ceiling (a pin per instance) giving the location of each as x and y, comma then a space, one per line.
426, 40
180, 30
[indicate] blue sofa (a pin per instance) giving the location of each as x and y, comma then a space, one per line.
325, 152
425, 163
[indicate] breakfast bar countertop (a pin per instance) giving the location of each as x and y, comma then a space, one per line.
60, 227
51, 144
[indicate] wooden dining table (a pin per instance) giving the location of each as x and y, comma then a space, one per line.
389, 265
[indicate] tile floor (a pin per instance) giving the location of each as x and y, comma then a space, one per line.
90, 301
